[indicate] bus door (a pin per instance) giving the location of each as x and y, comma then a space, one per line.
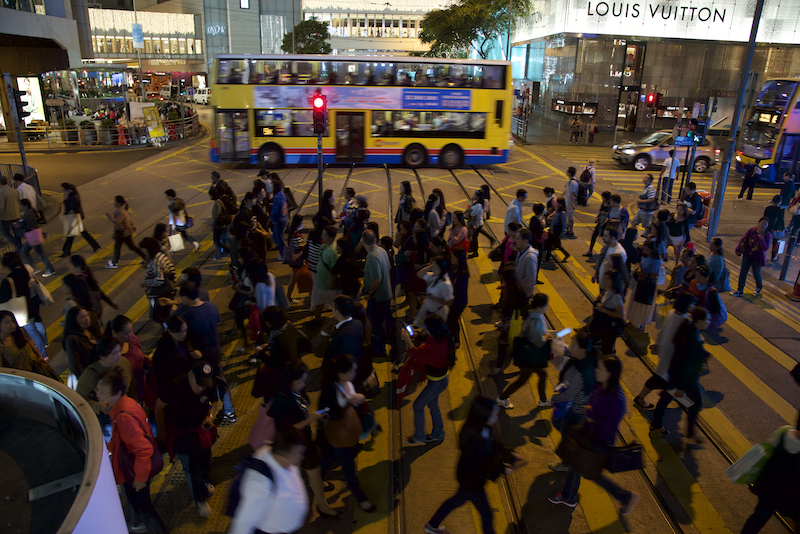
233, 136
349, 136
786, 158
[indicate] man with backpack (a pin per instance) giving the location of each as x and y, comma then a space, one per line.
647, 204
269, 495
587, 180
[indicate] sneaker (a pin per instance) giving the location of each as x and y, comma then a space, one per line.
558, 498
210, 489
438, 530
112, 265
48, 273
643, 403
737, 293
589, 254
632, 502
228, 419
139, 528
757, 293
196, 246
560, 466
203, 509
663, 432
505, 403
546, 404
431, 439
411, 442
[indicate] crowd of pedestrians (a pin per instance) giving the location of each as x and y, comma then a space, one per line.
173, 401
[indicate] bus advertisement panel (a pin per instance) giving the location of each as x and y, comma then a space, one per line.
411, 111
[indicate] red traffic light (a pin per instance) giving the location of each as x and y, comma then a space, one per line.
651, 98
319, 102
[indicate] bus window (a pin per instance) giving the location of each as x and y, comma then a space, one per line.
428, 124
776, 94
284, 123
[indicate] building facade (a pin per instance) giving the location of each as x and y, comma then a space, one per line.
601, 59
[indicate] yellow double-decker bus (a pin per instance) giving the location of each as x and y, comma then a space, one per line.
771, 135
412, 111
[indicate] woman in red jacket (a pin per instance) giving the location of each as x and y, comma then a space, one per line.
438, 354
131, 435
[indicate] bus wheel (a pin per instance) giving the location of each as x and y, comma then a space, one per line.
451, 157
415, 156
700, 165
271, 156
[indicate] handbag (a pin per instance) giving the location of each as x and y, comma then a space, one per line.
583, 451
45, 298
343, 433
527, 355
17, 304
794, 210
497, 253
628, 458
515, 325
263, 431
73, 224
747, 469
293, 257
189, 221
176, 243
126, 459
34, 237
304, 281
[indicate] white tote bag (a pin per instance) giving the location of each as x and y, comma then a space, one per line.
176, 243
18, 305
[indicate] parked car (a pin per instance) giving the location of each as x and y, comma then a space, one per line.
654, 148
202, 96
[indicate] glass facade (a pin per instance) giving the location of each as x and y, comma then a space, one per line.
165, 34
386, 25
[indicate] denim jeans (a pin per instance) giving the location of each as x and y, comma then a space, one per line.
347, 457
570, 491
278, 230
746, 265
140, 502
380, 315
430, 397
219, 242
196, 466
105, 425
38, 335
26, 256
7, 229
478, 499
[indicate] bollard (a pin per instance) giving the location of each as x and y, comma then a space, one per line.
559, 132
787, 256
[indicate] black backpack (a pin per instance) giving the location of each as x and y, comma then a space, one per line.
586, 176
234, 493
223, 217
583, 194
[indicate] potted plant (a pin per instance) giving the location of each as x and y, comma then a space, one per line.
68, 131
108, 131
88, 133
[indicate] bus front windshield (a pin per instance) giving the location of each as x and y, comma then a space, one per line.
776, 94
761, 130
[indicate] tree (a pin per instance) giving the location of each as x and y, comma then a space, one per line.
475, 24
311, 37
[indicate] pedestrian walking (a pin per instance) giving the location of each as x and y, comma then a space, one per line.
9, 212
475, 223
600, 221
17, 283
570, 201
550, 203
514, 210
123, 232
753, 247
438, 354
131, 436
591, 129
718, 271
513, 306
588, 179
531, 351
684, 373
378, 291
406, 204
325, 287
778, 483
29, 225
664, 347
526, 263
788, 191
73, 220
667, 177
647, 204
611, 246
179, 220
604, 412
103, 357
27, 192
642, 305
777, 227
618, 215
439, 294
558, 229
279, 216
608, 318
752, 175
483, 458
272, 492
220, 219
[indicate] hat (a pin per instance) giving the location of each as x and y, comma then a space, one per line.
262, 172
592, 161
203, 374
361, 198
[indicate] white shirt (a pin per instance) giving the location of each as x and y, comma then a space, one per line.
606, 265
26, 190
668, 164
665, 341
513, 214
526, 264
571, 192
262, 507
439, 289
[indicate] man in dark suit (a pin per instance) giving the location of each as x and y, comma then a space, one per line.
348, 334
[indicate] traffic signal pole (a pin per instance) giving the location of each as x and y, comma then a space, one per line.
12, 98
730, 149
319, 107
319, 167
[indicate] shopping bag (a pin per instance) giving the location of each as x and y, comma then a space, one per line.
176, 243
45, 298
747, 469
304, 281
583, 451
34, 237
73, 224
17, 305
514, 325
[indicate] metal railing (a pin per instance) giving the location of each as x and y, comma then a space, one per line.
31, 176
519, 127
118, 136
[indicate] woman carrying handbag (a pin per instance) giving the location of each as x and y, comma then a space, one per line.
513, 310
603, 413
339, 397
135, 458
73, 220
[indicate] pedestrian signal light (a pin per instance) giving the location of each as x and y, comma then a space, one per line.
657, 100
650, 101
319, 103
20, 104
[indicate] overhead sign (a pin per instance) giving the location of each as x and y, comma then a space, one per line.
55, 102
711, 20
684, 141
344, 97
138, 35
